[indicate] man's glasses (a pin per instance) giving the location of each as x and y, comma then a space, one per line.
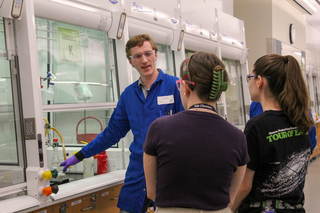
179, 81
137, 57
253, 76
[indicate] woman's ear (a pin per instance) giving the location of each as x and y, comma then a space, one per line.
260, 82
186, 88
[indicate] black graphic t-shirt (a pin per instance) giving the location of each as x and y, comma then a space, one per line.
279, 155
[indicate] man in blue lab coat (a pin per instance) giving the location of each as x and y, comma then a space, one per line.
256, 109
155, 94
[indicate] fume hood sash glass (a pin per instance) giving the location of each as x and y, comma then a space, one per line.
11, 170
76, 64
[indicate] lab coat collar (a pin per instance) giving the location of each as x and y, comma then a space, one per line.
159, 79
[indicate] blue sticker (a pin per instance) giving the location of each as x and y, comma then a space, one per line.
174, 20
139, 8
113, 1
190, 25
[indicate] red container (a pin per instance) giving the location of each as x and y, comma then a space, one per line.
102, 163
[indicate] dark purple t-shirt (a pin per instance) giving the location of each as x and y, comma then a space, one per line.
197, 154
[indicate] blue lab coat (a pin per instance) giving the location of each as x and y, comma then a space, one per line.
136, 112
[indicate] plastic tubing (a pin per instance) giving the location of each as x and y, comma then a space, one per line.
61, 138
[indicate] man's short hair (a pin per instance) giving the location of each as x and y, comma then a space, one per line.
138, 40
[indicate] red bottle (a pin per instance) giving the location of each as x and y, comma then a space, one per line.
102, 163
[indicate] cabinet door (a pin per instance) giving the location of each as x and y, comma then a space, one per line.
99, 202
316, 151
108, 199
318, 131
49, 209
150, 210
80, 204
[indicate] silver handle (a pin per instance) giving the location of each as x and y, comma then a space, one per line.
115, 198
90, 207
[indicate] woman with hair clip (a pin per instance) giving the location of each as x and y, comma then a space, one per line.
195, 160
278, 142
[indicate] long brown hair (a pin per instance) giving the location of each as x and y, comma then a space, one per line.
287, 86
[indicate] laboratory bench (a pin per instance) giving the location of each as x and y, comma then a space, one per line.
95, 194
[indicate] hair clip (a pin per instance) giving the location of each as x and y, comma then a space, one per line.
218, 86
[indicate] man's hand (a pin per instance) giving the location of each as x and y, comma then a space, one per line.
69, 162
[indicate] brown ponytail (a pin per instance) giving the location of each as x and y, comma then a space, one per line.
294, 97
287, 85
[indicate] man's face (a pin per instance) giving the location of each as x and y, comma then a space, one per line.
144, 59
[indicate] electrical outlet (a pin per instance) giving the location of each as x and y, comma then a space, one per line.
29, 128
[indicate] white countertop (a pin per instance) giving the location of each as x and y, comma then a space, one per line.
18, 204
87, 184
66, 191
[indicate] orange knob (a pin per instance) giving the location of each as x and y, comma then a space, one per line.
50, 189
47, 191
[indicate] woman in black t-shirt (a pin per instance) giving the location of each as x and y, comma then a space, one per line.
194, 160
278, 144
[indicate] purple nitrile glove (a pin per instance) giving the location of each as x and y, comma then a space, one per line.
69, 162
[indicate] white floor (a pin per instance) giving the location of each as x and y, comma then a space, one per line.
312, 187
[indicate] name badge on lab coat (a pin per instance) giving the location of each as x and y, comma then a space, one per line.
165, 99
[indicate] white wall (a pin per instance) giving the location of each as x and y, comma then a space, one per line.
257, 17
265, 19
284, 14
312, 46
